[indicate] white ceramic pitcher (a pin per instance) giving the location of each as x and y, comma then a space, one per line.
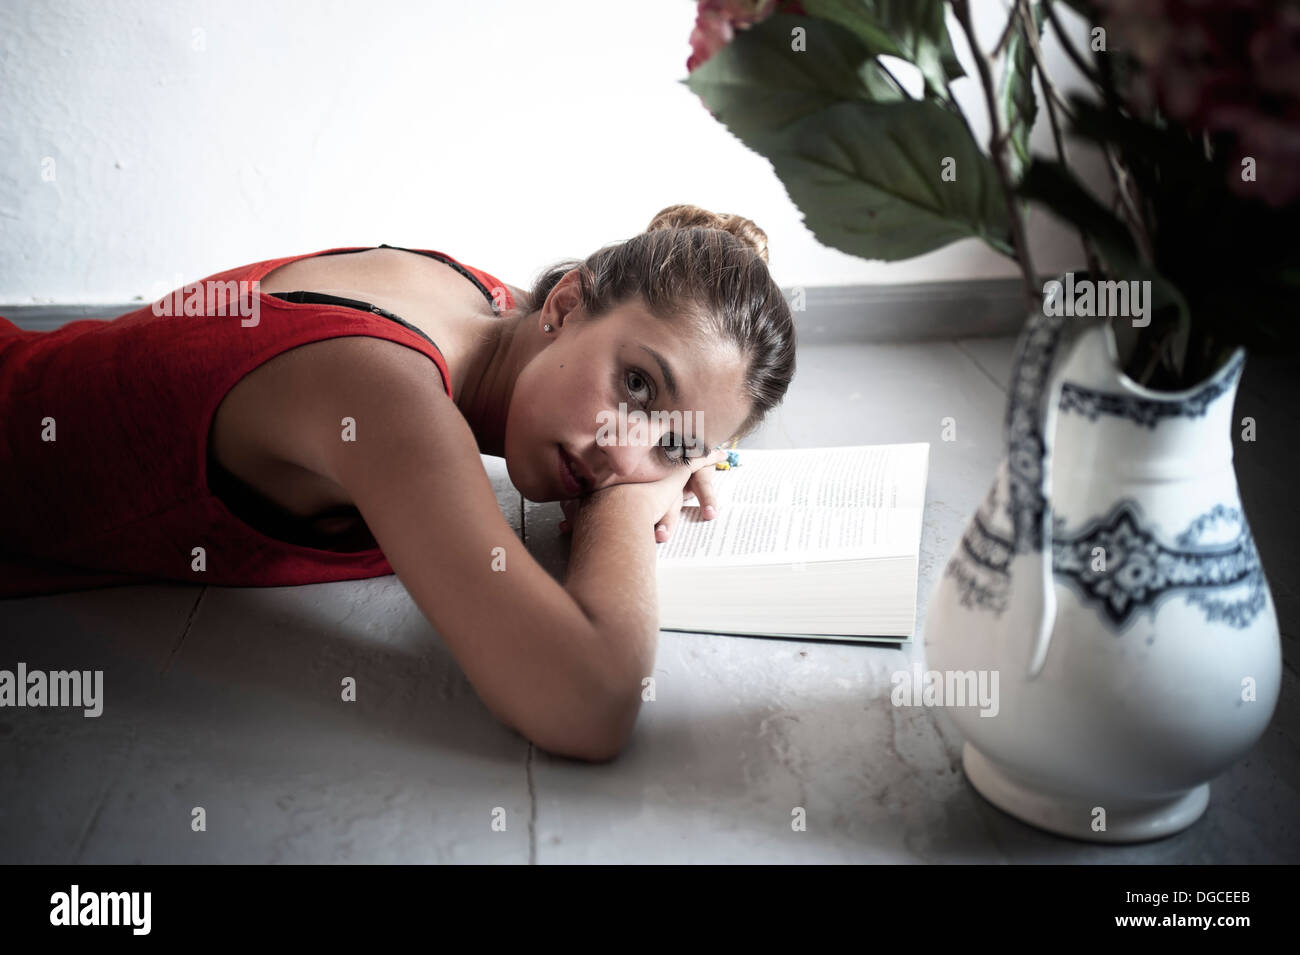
1110, 579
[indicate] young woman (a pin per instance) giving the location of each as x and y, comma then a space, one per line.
325, 436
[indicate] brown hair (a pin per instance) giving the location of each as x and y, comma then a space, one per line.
709, 267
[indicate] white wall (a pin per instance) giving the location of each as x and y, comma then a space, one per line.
187, 137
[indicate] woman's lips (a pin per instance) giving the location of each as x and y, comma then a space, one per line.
572, 486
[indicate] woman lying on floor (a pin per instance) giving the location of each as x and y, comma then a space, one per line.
318, 433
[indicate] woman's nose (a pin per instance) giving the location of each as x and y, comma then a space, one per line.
631, 462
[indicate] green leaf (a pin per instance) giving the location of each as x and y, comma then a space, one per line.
867, 178
913, 30
861, 162
1016, 100
757, 82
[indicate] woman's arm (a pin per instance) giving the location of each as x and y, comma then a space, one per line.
561, 667
613, 561
612, 576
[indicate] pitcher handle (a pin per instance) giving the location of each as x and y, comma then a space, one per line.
1035, 392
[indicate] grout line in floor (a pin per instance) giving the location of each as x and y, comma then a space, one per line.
189, 621
1002, 387
104, 795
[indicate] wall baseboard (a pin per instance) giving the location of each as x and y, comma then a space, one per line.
916, 311
44, 318
832, 314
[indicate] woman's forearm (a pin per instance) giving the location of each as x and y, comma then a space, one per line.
612, 576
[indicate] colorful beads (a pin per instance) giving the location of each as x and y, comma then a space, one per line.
733, 460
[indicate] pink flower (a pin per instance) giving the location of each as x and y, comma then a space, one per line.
716, 23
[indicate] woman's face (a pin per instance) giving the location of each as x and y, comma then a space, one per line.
567, 399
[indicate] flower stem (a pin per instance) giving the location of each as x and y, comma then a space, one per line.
997, 151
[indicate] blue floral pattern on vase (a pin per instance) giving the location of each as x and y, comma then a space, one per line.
1137, 572
1035, 354
1146, 411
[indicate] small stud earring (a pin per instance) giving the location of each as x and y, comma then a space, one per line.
546, 327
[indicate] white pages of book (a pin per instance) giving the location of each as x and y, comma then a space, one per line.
807, 542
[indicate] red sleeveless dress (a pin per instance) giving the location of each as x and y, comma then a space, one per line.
122, 495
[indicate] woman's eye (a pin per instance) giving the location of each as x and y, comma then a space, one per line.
670, 448
641, 384
672, 451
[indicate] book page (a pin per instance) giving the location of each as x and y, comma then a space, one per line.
884, 475
809, 504
748, 533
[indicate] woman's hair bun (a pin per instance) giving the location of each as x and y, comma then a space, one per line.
686, 216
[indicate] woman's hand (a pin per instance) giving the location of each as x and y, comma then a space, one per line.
667, 494
670, 492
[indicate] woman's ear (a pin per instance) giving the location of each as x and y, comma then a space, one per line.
565, 298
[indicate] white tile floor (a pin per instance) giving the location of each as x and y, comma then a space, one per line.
228, 699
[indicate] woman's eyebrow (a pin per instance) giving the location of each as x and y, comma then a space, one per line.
669, 380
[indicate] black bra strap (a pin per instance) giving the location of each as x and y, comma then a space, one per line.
455, 265
322, 298
441, 258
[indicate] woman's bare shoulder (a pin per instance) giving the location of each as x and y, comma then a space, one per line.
272, 428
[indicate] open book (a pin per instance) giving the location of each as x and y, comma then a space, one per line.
810, 542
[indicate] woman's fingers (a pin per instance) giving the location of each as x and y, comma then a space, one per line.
664, 529
701, 484
716, 456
